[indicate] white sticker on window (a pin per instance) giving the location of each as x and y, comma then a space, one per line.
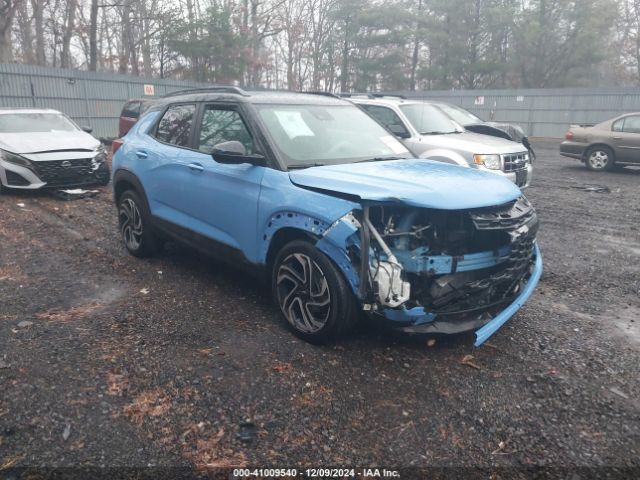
395, 146
293, 123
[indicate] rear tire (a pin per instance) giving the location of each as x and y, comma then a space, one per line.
312, 293
135, 226
599, 159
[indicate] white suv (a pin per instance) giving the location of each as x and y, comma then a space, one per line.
429, 133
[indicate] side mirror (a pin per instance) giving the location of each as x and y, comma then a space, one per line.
399, 131
234, 153
87, 129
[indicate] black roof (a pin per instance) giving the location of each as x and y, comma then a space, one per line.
249, 96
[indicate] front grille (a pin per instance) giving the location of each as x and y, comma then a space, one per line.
515, 161
511, 215
65, 172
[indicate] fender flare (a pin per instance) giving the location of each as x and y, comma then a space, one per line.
444, 155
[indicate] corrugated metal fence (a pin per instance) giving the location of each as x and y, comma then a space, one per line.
544, 112
93, 99
96, 99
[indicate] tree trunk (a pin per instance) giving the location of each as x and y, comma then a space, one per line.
38, 20
344, 71
416, 50
68, 33
7, 12
26, 37
93, 37
123, 61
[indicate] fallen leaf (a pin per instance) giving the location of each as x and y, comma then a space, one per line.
144, 291
468, 360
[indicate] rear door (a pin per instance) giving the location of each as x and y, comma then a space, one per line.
164, 163
625, 139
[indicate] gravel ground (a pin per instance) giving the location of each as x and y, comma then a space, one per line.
107, 360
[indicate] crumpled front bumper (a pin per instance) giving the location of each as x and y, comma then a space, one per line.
492, 327
416, 320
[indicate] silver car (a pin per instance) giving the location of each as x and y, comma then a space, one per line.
43, 148
429, 133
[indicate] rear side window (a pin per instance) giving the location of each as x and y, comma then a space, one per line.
131, 110
175, 125
632, 124
386, 117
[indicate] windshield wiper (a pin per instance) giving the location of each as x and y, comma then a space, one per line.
378, 159
299, 166
439, 133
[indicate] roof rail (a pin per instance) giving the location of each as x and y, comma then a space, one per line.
236, 90
372, 95
381, 95
324, 94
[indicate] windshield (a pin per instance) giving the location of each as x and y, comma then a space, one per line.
35, 122
427, 119
309, 135
460, 115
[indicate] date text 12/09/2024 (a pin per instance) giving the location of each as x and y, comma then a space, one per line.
315, 473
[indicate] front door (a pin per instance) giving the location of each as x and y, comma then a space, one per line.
222, 199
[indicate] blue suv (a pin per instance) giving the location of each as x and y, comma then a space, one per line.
312, 193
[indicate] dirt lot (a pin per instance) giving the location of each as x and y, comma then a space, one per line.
107, 360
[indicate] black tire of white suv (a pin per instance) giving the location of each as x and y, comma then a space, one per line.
135, 226
311, 293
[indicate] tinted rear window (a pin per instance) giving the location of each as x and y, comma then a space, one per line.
175, 125
131, 110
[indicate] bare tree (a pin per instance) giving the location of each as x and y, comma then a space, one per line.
8, 10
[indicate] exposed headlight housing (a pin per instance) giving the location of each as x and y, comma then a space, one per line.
101, 155
15, 159
492, 162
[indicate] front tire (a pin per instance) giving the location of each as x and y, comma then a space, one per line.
600, 159
311, 293
136, 230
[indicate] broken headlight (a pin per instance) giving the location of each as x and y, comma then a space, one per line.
492, 162
15, 159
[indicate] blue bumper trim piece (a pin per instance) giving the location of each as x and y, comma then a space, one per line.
415, 315
490, 328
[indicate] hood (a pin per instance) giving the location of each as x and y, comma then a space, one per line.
471, 143
39, 142
419, 183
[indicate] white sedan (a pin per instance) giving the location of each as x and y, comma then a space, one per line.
45, 148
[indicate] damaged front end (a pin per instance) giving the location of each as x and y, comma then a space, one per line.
439, 271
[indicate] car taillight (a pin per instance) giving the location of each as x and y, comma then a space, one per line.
568, 135
116, 144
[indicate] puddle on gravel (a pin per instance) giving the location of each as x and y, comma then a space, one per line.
627, 323
630, 245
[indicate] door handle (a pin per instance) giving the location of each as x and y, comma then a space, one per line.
195, 167
617, 138
141, 154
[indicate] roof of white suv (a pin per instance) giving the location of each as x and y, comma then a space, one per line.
13, 110
388, 100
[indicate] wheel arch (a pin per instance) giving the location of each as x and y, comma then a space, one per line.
282, 237
124, 180
284, 227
